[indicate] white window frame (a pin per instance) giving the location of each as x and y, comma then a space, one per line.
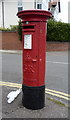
20, 5
36, 3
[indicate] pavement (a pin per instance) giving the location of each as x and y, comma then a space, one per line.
54, 108
17, 110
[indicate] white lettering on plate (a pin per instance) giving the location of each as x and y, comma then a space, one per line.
27, 41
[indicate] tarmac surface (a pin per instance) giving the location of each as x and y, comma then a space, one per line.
12, 72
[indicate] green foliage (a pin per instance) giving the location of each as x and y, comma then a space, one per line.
20, 29
4, 29
12, 28
58, 31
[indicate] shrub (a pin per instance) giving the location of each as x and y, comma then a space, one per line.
58, 31
12, 28
19, 28
4, 29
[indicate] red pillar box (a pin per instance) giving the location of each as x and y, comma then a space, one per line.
34, 49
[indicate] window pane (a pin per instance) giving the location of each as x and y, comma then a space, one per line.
20, 9
39, 6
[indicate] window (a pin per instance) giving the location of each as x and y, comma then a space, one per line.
20, 7
53, 10
38, 4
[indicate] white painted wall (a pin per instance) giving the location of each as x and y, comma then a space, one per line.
10, 13
28, 4
0, 14
45, 4
69, 12
63, 16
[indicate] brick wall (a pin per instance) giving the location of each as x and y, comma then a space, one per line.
10, 41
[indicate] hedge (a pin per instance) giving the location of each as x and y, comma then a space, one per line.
58, 31
12, 28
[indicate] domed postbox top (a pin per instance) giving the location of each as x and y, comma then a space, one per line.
33, 15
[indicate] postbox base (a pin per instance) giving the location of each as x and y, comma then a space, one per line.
33, 97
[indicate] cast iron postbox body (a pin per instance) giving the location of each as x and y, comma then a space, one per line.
34, 49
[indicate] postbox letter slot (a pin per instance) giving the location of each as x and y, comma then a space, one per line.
28, 27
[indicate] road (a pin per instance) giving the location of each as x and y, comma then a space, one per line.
56, 70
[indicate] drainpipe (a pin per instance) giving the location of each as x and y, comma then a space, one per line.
59, 6
3, 13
